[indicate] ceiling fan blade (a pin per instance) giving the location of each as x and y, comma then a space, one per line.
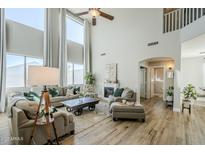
82, 13
105, 15
94, 21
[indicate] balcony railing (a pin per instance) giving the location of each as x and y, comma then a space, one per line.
180, 18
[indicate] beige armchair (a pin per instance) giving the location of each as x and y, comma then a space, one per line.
22, 127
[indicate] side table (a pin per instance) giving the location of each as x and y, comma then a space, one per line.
186, 104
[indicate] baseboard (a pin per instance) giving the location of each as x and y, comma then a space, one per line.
176, 109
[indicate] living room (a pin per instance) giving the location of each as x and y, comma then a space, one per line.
100, 76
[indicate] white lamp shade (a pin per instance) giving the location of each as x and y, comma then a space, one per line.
41, 76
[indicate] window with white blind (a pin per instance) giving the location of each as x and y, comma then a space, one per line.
75, 38
32, 17
24, 29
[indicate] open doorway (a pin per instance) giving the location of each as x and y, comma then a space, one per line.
193, 66
143, 83
155, 78
157, 81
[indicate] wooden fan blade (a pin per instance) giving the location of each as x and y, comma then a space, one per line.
94, 21
82, 13
105, 15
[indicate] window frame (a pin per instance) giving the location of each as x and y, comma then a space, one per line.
25, 67
73, 74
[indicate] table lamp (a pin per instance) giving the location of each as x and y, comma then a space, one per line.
44, 76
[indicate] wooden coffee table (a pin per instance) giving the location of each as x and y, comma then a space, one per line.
77, 105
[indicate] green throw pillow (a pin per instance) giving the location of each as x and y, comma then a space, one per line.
76, 90
36, 97
32, 96
118, 92
53, 91
28, 96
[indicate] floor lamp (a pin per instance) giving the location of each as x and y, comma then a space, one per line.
44, 76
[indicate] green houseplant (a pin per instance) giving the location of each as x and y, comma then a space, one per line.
189, 93
170, 93
89, 78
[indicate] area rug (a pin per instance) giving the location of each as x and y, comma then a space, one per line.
90, 118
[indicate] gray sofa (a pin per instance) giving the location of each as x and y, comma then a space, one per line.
55, 101
21, 127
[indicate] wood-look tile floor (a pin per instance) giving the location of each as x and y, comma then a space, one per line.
162, 126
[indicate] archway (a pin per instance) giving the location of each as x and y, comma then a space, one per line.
156, 76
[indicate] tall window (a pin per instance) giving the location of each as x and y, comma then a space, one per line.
69, 73
33, 17
75, 33
17, 69
14, 71
17, 61
78, 74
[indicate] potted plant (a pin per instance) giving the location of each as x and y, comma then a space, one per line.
189, 93
170, 93
89, 78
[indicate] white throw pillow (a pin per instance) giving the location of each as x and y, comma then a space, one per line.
69, 92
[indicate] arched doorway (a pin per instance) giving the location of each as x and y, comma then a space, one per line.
156, 76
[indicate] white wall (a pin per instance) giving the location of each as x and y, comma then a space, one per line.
192, 72
124, 40
193, 30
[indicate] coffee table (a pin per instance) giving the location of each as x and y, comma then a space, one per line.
77, 105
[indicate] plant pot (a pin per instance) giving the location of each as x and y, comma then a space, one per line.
169, 98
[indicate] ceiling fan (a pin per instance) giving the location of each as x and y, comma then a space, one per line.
95, 12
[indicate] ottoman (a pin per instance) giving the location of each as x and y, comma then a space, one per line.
123, 111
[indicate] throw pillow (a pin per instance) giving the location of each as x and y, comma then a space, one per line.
32, 96
61, 91
69, 92
28, 96
124, 93
53, 91
76, 90
118, 92
36, 97
30, 108
127, 93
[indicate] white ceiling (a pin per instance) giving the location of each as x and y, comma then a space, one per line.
192, 48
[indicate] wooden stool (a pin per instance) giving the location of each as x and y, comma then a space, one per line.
185, 102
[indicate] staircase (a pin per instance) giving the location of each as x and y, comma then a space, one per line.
180, 18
